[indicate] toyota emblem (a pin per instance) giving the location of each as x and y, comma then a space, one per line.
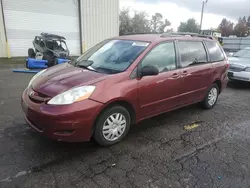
31, 93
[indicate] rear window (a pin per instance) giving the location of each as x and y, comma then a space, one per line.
215, 52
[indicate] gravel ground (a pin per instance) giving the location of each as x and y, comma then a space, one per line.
158, 152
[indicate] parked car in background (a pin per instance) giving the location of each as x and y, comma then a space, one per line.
122, 81
239, 65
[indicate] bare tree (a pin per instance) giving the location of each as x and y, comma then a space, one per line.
158, 24
226, 27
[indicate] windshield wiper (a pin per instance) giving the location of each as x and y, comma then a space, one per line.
84, 63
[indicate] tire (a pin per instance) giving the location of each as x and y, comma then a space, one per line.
103, 136
26, 64
31, 53
49, 59
208, 103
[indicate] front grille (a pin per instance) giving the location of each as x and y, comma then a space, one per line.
37, 97
236, 69
36, 100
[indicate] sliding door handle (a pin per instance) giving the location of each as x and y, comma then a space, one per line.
175, 75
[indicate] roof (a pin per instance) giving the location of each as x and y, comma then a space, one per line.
165, 36
52, 36
141, 37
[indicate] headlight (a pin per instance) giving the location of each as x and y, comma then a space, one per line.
35, 77
72, 95
247, 69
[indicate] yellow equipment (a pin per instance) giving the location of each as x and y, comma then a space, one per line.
215, 34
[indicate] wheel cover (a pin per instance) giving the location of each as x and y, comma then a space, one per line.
212, 96
114, 127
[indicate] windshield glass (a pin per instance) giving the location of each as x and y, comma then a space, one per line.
56, 45
112, 56
245, 53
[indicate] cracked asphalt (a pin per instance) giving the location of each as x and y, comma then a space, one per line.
158, 152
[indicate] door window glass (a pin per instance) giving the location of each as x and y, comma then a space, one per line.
192, 53
162, 56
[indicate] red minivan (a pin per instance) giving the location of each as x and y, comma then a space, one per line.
120, 82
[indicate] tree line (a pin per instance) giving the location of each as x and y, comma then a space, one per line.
140, 22
240, 29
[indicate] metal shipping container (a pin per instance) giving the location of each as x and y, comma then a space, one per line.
83, 22
3, 52
100, 20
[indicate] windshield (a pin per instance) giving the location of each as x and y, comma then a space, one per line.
112, 56
56, 45
245, 53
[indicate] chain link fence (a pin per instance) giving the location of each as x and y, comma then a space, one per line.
235, 44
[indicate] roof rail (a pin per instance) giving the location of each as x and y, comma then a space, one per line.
141, 33
186, 34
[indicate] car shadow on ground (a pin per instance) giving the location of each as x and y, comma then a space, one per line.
146, 125
163, 119
64, 151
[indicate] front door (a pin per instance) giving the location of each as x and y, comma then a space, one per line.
196, 72
159, 93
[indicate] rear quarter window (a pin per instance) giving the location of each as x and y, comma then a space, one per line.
215, 52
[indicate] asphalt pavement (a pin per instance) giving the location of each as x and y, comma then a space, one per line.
159, 152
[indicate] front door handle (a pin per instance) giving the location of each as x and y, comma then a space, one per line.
175, 75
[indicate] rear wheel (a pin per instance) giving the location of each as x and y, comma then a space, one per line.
31, 53
211, 97
112, 126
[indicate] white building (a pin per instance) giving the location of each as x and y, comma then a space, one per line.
82, 22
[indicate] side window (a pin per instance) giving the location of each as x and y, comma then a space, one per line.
215, 51
162, 56
192, 53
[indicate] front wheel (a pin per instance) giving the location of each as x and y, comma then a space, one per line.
112, 126
31, 53
211, 97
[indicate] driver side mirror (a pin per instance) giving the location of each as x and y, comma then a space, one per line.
149, 70
230, 54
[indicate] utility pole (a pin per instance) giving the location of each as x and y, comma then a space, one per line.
202, 11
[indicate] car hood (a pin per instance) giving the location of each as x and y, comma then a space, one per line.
239, 61
60, 78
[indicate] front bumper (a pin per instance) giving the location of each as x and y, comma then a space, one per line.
69, 123
242, 76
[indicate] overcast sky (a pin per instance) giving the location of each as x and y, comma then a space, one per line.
180, 10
